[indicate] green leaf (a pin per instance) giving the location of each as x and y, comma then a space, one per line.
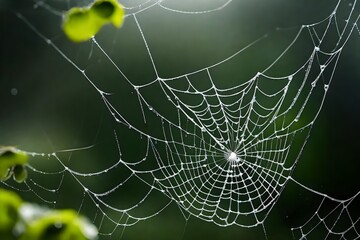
81, 24
9, 158
9, 207
59, 225
110, 10
19, 173
103, 9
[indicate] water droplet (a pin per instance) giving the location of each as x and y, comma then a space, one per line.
317, 49
326, 87
14, 91
313, 84
322, 67
151, 108
203, 129
290, 77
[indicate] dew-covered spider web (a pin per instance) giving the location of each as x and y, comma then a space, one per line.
200, 109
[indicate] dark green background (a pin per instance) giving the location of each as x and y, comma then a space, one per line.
56, 108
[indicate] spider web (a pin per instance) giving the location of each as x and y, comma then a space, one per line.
219, 142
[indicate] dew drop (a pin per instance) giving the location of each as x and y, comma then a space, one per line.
14, 91
326, 87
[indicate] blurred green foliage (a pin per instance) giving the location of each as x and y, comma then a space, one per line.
9, 207
12, 163
81, 24
23, 221
59, 225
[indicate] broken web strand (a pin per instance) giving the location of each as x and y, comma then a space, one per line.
254, 143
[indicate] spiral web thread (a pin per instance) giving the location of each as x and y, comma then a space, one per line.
223, 155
